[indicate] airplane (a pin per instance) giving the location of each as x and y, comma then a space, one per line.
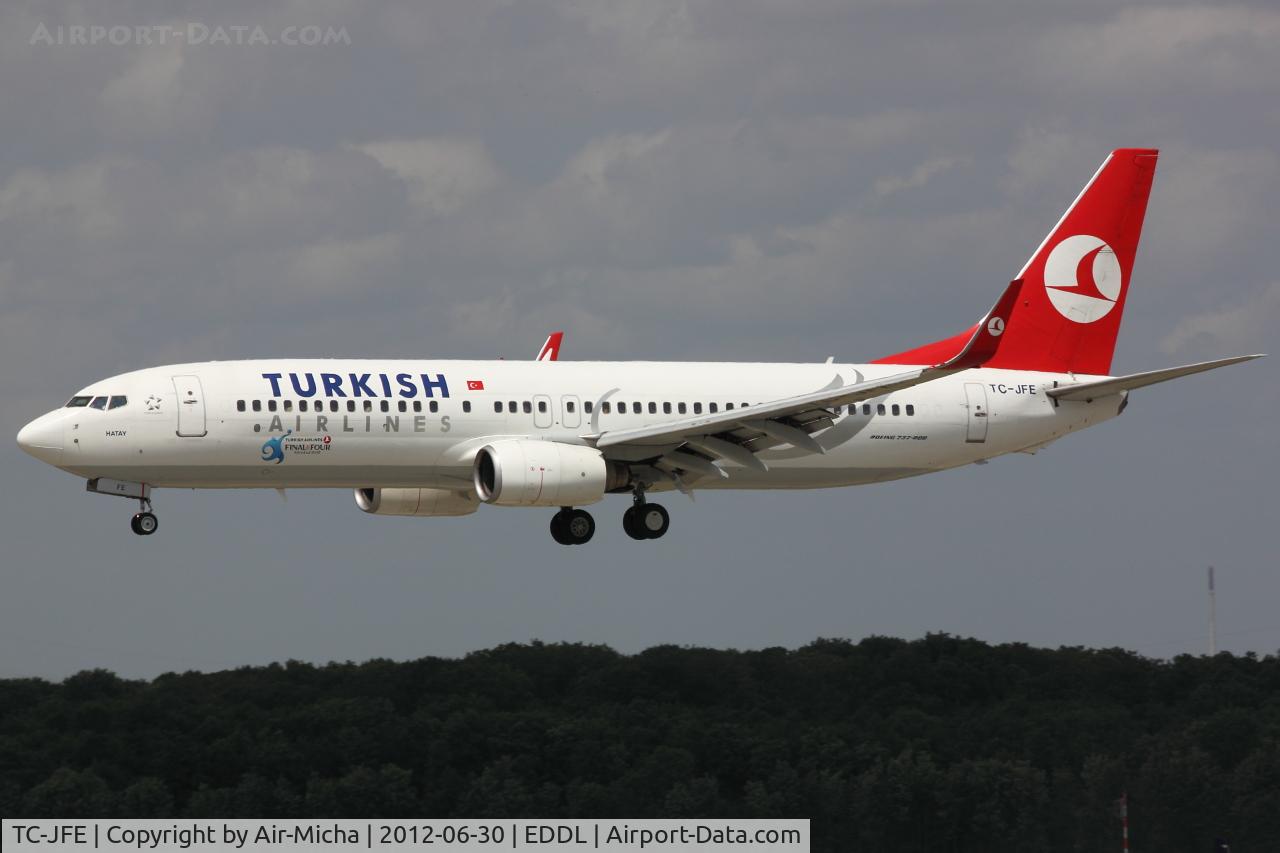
435, 437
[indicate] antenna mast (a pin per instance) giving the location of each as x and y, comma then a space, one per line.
1213, 617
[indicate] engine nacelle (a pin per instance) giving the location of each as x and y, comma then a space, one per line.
520, 472
416, 502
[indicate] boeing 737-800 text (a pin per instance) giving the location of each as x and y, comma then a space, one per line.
440, 438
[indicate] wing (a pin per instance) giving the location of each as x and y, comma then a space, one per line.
694, 444
1105, 387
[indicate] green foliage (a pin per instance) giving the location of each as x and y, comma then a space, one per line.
941, 744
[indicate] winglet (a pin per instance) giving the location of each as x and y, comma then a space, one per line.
986, 337
551, 349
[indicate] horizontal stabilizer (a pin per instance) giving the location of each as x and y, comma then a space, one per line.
1106, 387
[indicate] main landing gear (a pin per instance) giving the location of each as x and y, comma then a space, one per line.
642, 520
572, 526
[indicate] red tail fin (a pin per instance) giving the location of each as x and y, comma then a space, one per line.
1068, 314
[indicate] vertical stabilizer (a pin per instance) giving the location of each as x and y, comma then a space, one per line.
1075, 283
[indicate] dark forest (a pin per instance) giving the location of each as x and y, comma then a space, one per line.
939, 744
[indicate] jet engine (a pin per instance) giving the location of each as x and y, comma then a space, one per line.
416, 502
520, 472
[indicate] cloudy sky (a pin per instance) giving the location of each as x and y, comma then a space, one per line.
730, 179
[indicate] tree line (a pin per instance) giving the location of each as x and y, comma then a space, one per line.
937, 744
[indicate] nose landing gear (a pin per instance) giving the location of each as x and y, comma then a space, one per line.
144, 522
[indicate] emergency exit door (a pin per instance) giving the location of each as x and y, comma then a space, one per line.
975, 394
190, 406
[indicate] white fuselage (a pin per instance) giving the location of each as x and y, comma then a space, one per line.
241, 424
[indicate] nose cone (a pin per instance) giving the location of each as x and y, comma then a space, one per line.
42, 438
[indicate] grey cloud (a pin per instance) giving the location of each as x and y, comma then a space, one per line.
1242, 323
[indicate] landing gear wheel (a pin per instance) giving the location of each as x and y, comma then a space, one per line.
572, 526
579, 527
144, 523
631, 524
652, 520
557, 528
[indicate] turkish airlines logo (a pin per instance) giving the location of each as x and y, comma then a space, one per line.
995, 327
1082, 278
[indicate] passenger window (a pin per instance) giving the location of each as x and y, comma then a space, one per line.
586, 406
666, 408
117, 402
333, 405
417, 405
466, 405
542, 406
713, 408
880, 408
866, 408
653, 408
403, 406
351, 405
528, 407
511, 406
271, 405
257, 405
681, 408
497, 406
368, 405
853, 408
435, 407
896, 409
697, 408
606, 407
239, 405
288, 405
622, 408
569, 407
911, 410
636, 408
728, 406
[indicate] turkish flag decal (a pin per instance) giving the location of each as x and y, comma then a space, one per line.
475, 385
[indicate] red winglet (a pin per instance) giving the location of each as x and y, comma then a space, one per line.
551, 349
986, 337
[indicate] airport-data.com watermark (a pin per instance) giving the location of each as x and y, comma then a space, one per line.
193, 33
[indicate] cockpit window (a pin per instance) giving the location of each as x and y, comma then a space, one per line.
98, 403
78, 402
117, 402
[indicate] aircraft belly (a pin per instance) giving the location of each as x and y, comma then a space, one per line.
294, 477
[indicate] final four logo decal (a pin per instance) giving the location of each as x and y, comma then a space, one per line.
274, 448
1083, 278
